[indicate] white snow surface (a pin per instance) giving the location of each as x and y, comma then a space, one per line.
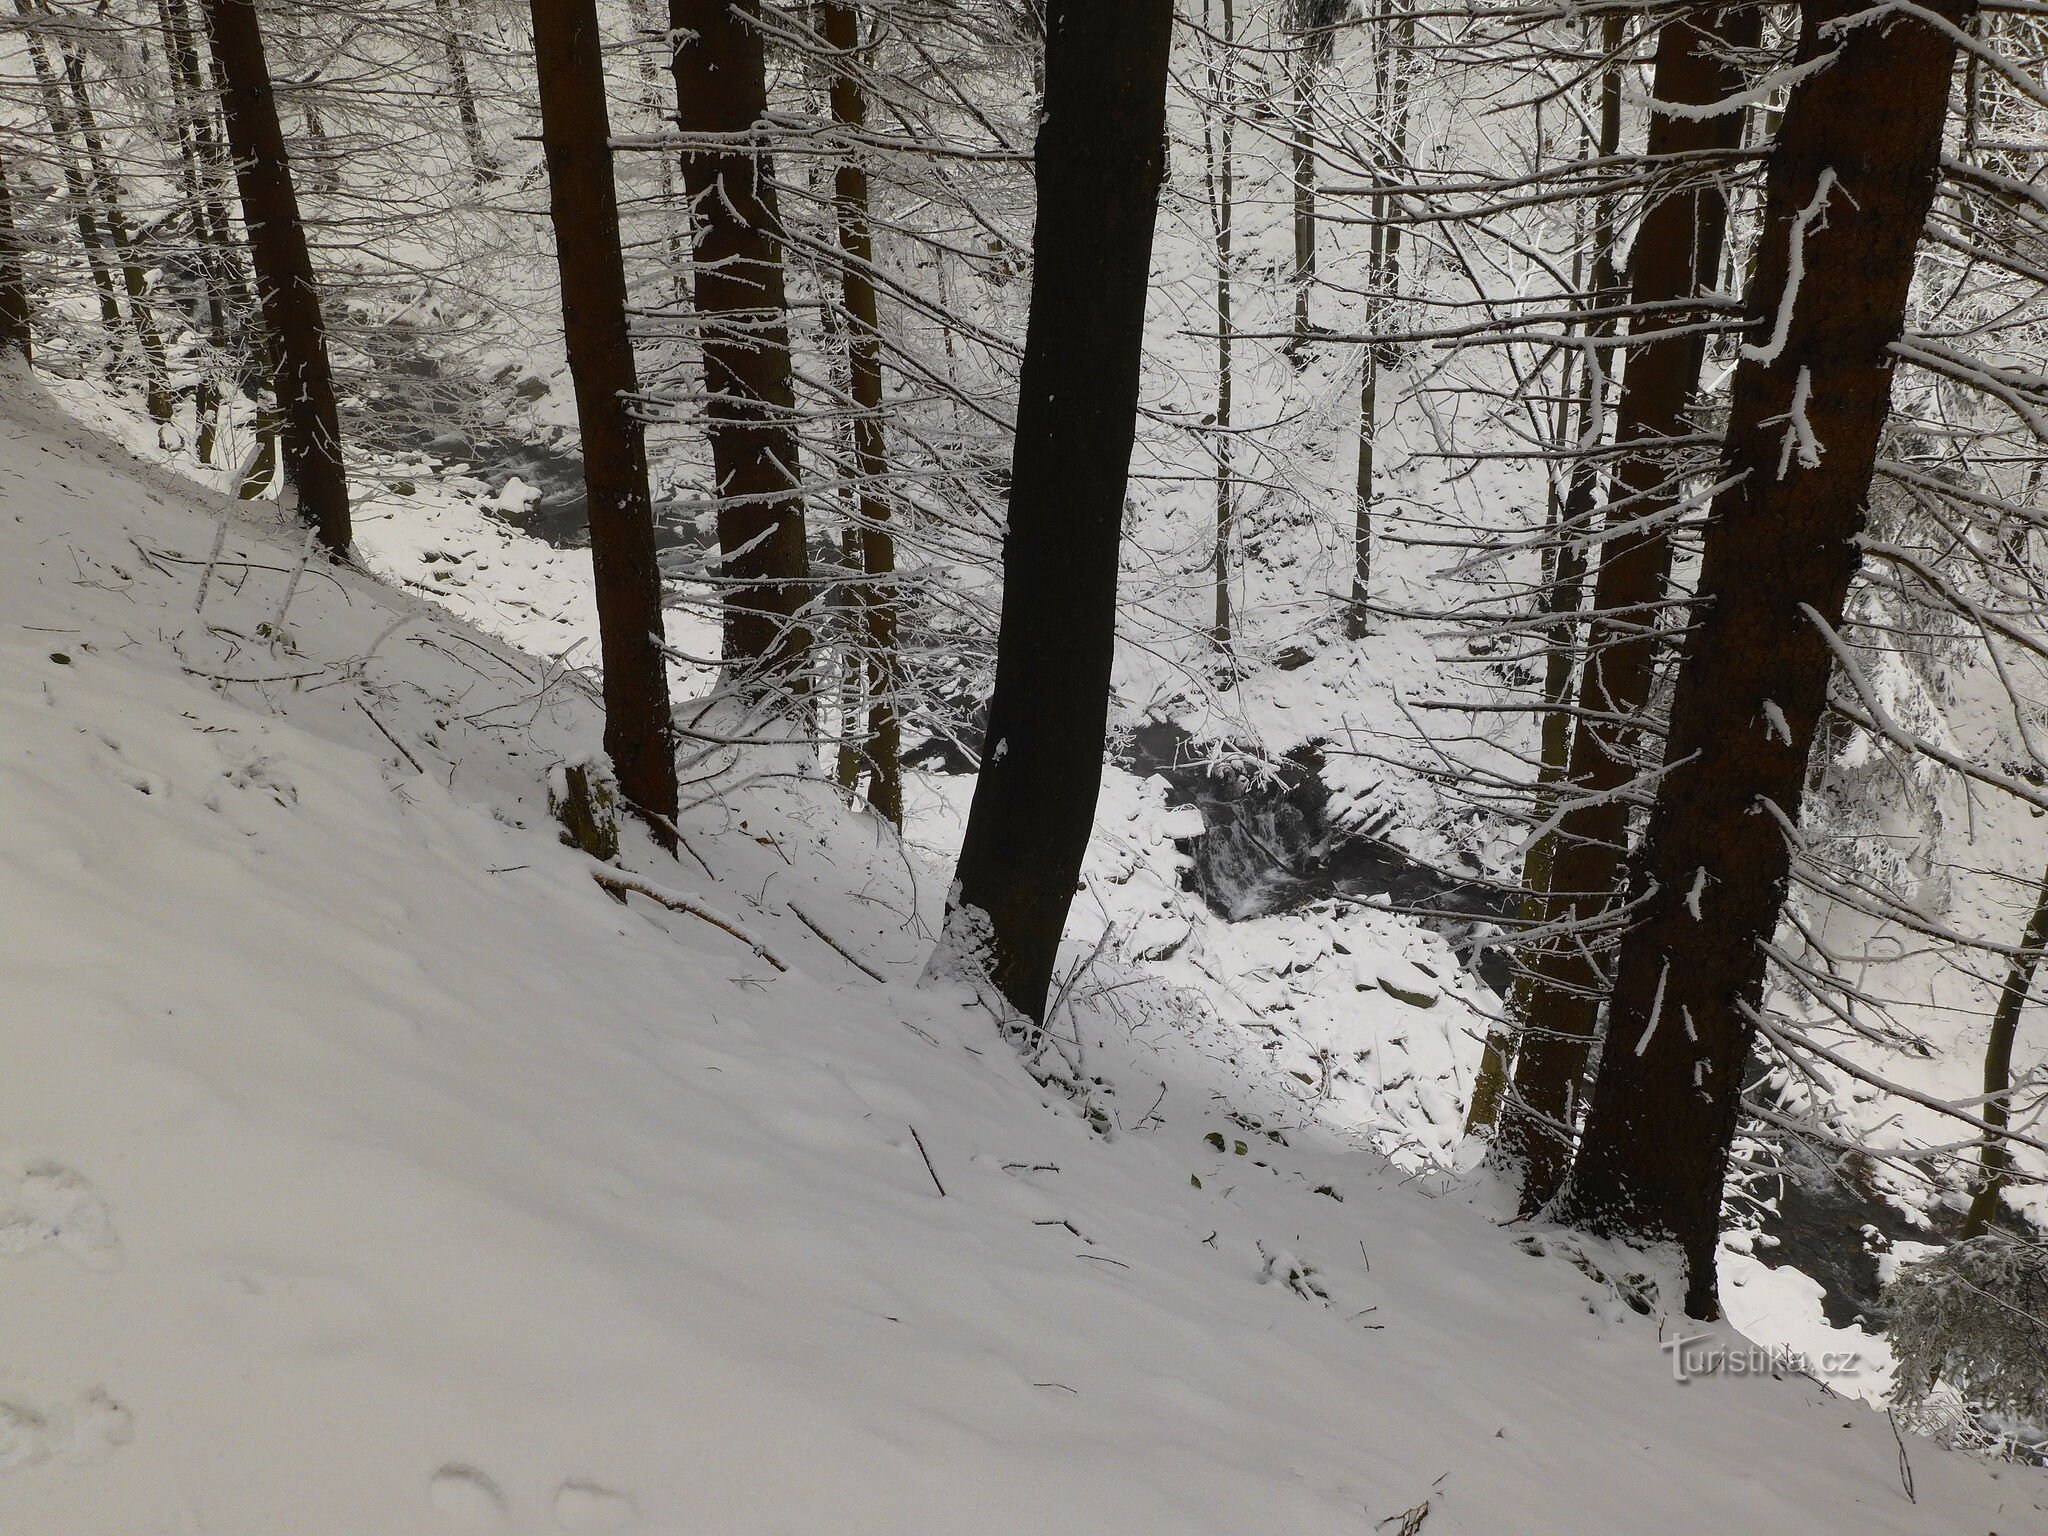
365, 1170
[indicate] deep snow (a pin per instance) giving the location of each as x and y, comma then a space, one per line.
366, 1171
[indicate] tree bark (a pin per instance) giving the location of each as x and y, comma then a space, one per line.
303, 380
14, 329
1847, 195
576, 138
720, 70
876, 546
1100, 158
1995, 1160
1677, 255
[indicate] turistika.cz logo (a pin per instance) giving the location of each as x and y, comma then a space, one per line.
1703, 1354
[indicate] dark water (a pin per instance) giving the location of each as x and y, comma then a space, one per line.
1269, 844
412, 403
1831, 1229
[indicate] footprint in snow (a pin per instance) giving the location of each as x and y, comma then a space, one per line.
49, 1203
92, 1427
468, 1497
590, 1509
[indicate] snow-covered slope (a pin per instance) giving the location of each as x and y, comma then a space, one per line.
365, 1170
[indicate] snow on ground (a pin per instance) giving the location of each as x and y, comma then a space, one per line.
365, 1170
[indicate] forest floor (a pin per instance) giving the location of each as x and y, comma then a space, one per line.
367, 1170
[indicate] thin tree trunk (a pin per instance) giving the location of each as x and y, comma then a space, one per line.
721, 98
1847, 194
1390, 98
243, 335
1302, 164
77, 187
156, 365
877, 546
1313, 26
1219, 140
1995, 1160
576, 137
481, 166
1100, 158
303, 380
14, 329
192, 172
647, 20
1677, 255
321, 165
206, 177
1563, 595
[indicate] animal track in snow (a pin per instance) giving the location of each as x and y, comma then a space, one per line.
585, 1508
92, 1427
468, 1497
49, 1203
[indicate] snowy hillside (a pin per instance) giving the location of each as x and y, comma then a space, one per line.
366, 1168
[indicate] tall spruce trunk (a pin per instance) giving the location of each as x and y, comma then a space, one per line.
302, 379
1995, 1160
876, 545
14, 311
1100, 157
1677, 256
720, 70
576, 138
1847, 195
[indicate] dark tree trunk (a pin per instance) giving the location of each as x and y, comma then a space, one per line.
576, 136
743, 322
1996, 1159
1846, 198
14, 332
876, 546
1677, 255
302, 378
1100, 156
